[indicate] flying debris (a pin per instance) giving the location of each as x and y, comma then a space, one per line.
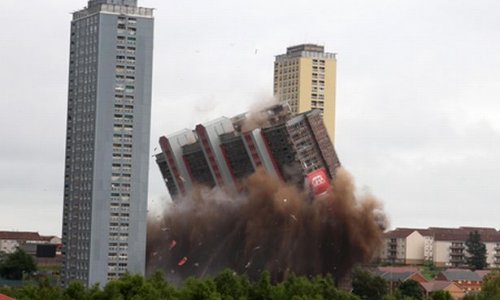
182, 261
257, 230
172, 244
164, 228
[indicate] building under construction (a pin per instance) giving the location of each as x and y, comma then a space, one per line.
295, 148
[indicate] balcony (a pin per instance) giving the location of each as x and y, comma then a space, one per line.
457, 260
392, 242
457, 247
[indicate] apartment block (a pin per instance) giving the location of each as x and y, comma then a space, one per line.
107, 141
11, 240
225, 151
305, 78
403, 246
444, 246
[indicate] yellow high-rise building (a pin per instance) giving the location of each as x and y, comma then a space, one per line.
305, 78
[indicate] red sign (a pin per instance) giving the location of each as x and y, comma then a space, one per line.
319, 181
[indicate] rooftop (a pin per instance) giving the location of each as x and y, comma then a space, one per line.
117, 2
305, 47
436, 285
456, 275
22, 236
447, 234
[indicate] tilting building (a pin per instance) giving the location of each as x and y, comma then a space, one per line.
225, 151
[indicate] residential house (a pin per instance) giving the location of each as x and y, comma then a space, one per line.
403, 246
10, 240
467, 280
448, 286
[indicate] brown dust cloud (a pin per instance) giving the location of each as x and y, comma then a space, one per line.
270, 226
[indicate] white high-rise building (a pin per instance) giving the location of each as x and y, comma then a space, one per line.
107, 141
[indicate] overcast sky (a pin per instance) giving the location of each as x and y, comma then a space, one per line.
418, 95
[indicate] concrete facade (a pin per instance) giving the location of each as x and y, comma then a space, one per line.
11, 240
225, 151
445, 247
107, 141
305, 78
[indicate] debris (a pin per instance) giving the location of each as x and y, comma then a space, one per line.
164, 228
172, 244
256, 248
155, 253
182, 178
248, 265
196, 264
182, 261
293, 217
285, 200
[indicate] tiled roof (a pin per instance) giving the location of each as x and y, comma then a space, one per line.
3, 297
461, 275
482, 273
21, 236
396, 276
397, 269
399, 233
436, 285
462, 233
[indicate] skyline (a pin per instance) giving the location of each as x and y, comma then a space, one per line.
417, 121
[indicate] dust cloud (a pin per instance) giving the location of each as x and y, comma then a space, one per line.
270, 226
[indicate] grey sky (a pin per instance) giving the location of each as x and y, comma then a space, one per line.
418, 110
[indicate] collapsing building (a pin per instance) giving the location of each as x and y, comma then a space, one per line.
295, 148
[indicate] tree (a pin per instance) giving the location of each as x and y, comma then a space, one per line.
16, 264
429, 270
76, 291
411, 288
490, 288
441, 295
199, 289
476, 260
231, 285
368, 286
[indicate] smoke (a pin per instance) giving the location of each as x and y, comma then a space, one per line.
270, 226
257, 116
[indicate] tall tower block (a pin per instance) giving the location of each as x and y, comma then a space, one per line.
107, 141
305, 78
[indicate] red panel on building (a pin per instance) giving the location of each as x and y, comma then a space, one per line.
319, 181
